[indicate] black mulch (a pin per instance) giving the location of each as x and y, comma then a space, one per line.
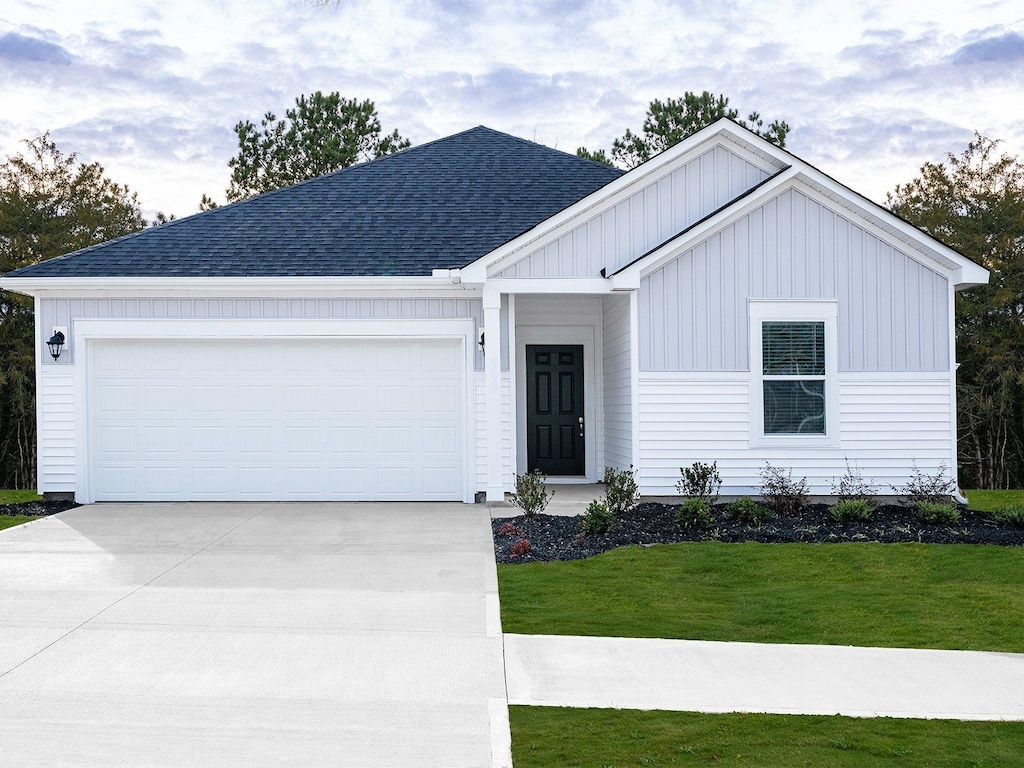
37, 508
560, 538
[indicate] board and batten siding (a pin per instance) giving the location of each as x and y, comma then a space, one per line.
56, 439
63, 312
618, 394
645, 219
480, 431
893, 311
886, 424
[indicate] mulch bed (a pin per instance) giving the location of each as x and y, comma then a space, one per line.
560, 538
40, 508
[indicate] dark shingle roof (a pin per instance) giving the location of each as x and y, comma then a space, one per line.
437, 205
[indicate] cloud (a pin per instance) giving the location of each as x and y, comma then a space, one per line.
1005, 48
18, 49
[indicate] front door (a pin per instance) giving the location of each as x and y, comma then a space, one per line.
554, 409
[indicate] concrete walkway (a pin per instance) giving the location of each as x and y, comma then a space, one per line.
252, 635
696, 676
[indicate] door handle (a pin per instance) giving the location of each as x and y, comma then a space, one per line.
581, 426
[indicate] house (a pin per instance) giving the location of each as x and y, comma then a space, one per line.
429, 324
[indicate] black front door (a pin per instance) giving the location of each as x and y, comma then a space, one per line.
554, 409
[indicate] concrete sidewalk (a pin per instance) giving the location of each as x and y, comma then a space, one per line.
696, 676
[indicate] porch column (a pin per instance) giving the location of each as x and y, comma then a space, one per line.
492, 385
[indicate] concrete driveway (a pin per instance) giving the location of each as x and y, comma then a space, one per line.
305, 634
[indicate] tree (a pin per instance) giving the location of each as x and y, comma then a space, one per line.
669, 122
974, 202
322, 133
50, 204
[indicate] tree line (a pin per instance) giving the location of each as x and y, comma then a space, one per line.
51, 203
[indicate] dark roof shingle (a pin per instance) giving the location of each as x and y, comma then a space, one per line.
434, 206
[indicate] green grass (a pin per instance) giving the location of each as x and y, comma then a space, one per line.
989, 501
9, 521
898, 595
18, 497
605, 738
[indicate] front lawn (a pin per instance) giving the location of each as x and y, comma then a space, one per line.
989, 501
608, 738
8, 496
9, 521
895, 595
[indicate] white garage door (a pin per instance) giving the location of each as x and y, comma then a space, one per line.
282, 419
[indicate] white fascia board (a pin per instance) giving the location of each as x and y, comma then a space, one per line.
616, 191
628, 278
573, 285
223, 286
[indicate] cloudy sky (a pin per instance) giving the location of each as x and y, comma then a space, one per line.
152, 90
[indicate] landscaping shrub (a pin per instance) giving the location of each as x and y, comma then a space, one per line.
695, 513
621, 492
521, 547
748, 511
1012, 516
509, 529
852, 486
851, 510
922, 487
531, 494
597, 520
700, 481
783, 494
937, 512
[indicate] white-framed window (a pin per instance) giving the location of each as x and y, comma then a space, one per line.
793, 353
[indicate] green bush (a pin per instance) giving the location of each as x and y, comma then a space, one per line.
597, 520
700, 481
695, 513
621, 492
936, 512
783, 494
851, 510
531, 494
748, 511
1012, 516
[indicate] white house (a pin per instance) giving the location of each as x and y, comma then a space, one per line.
430, 324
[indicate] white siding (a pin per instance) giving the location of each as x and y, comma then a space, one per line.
644, 220
56, 431
892, 310
481, 431
886, 424
618, 406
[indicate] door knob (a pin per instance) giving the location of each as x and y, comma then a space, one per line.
581, 426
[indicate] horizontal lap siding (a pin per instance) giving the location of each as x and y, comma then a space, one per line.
481, 431
645, 219
885, 426
618, 408
56, 432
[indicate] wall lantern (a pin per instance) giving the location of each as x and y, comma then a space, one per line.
481, 342
55, 344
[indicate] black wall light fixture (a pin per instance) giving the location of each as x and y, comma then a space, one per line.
481, 342
55, 344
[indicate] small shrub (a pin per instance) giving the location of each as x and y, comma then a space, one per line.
1012, 516
748, 511
936, 512
922, 487
621, 492
851, 510
700, 481
521, 547
695, 513
509, 529
531, 494
853, 487
783, 494
597, 520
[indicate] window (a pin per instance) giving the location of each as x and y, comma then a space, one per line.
793, 382
793, 370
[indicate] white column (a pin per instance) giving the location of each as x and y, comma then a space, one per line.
492, 399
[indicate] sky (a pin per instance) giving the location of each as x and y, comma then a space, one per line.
152, 90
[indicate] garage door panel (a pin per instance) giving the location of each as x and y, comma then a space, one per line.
278, 420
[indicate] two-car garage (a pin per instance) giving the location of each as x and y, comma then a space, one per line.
304, 418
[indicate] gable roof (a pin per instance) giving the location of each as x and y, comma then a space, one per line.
439, 205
